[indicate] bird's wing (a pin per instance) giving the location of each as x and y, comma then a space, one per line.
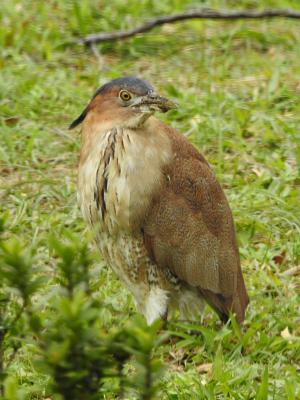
190, 230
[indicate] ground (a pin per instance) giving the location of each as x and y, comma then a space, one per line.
237, 85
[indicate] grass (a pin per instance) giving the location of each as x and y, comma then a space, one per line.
237, 86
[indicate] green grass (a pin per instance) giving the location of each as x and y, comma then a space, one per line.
237, 86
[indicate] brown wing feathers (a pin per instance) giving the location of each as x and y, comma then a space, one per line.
190, 230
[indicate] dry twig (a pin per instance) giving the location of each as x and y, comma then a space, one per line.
204, 13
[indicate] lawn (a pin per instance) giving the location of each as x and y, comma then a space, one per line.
237, 85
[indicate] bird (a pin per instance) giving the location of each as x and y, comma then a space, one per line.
159, 216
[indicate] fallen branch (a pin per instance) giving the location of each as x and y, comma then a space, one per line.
200, 14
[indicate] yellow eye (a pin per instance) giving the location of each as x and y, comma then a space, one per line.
124, 95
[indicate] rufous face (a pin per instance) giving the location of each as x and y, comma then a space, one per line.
127, 102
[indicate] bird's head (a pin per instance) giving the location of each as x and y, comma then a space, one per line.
126, 102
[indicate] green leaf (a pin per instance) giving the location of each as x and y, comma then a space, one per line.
290, 390
262, 393
218, 364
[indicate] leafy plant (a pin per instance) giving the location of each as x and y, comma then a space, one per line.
18, 283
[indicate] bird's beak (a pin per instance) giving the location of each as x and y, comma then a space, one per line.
153, 102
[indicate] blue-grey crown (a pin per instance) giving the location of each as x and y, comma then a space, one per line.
132, 84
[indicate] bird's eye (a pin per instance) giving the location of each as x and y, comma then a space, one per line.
124, 95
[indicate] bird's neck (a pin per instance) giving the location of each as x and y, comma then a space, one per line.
120, 171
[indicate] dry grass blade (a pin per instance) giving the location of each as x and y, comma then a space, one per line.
292, 271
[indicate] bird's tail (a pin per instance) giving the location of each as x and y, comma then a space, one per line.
223, 306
